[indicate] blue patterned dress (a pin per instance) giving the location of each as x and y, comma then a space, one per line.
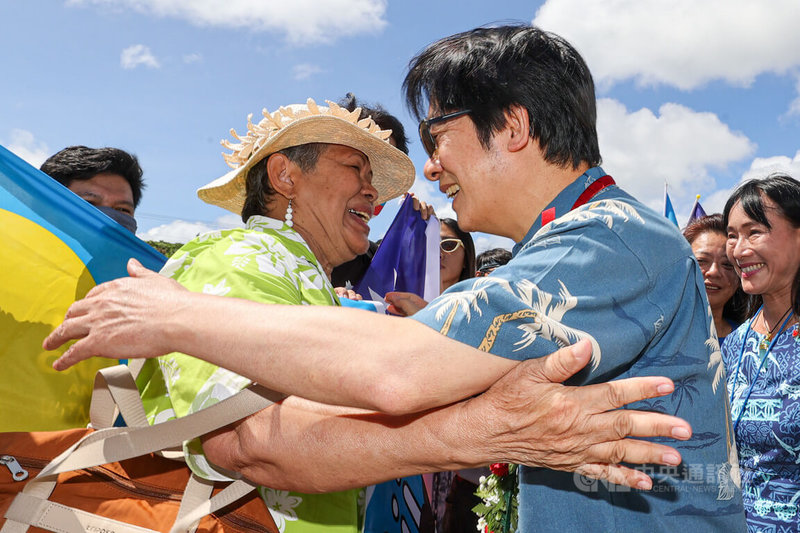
768, 433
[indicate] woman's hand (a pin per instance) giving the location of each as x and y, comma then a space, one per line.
343, 292
115, 313
403, 303
425, 209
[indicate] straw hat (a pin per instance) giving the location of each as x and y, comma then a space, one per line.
392, 170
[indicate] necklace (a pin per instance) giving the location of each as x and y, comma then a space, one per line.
766, 351
768, 337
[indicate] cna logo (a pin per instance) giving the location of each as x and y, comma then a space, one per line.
590, 484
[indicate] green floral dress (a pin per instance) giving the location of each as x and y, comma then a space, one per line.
265, 262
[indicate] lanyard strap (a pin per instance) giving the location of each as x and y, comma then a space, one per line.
760, 366
592, 190
549, 215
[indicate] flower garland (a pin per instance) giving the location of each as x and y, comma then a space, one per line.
499, 492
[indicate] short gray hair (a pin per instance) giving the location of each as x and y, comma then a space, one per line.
257, 188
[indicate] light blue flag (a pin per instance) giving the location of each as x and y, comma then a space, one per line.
55, 248
669, 212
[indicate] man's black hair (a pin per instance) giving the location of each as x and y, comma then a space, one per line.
489, 70
488, 260
83, 163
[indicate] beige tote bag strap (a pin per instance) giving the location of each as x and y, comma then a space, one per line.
117, 444
135, 366
191, 513
115, 393
197, 492
27, 510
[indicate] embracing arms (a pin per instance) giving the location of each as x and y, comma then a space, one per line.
392, 365
526, 418
337, 356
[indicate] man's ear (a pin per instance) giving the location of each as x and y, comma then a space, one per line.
280, 173
518, 125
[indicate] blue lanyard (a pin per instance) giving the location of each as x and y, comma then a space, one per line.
758, 372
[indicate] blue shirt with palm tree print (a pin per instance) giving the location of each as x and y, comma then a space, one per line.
617, 273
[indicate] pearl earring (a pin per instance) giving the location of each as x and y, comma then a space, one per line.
288, 216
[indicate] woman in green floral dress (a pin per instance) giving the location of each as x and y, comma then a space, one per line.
305, 182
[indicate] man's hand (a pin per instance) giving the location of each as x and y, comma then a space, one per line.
526, 417
115, 313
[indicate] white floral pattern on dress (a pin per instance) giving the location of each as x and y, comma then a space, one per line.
220, 289
281, 505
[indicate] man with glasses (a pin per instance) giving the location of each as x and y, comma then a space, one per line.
511, 138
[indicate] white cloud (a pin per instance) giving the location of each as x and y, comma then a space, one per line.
764, 166
794, 106
192, 58
136, 55
760, 167
25, 145
642, 150
182, 231
304, 71
300, 21
684, 43
484, 241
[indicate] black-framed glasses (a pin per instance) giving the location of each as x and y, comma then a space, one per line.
450, 245
428, 142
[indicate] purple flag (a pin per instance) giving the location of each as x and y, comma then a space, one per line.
697, 211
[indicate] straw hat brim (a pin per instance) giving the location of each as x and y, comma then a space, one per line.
392, 170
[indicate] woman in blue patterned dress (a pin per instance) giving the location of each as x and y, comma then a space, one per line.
762, 356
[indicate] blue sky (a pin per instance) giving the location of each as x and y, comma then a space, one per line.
698, 93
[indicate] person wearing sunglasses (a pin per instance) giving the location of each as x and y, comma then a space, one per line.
593, 269
457, 254
456, 263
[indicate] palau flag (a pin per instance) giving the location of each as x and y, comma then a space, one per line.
406, 260
669, 212
697, 211
55, 247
